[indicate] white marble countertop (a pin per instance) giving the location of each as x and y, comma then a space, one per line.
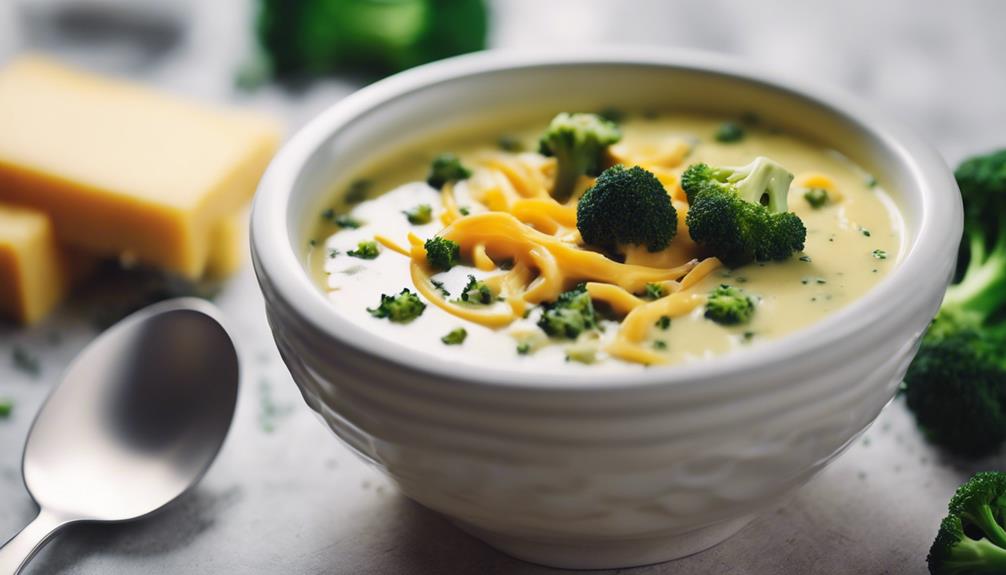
286, 497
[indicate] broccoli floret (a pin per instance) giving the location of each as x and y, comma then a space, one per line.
6, 407
420, 214
455, 337
729, 133
627, 206
445, 168
816, 197
366, 250
729, 305
570, 315
956, 386
401, 308
972, 539
476, 292
578, 142
442, 254
312, 37
740, 214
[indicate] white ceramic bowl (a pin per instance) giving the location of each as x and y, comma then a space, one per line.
600, 470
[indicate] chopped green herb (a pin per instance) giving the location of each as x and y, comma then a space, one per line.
401, 308
348, 222
871, 181
441, 253
6, 407
729, 132
328, 214
864, 231
332, 253
729, 305
358, 191
655, 291
612, 114
420, 214
312, 242
805, 258
664, 322
879, 254
816, 197
509, 143
570, 315
365, 250
439, 286
464, 210
455, 337
476, 292
523, 348
874, 270
25, 362
270, 412
445, 168
821, 281
748, 336
750, 118
659, 344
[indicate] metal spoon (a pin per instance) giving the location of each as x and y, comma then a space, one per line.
137, 420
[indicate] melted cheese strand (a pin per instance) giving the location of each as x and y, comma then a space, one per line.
391, 245
503, 234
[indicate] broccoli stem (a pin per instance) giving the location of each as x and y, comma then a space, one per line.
981, 290
985, 519
976, 557
566, 176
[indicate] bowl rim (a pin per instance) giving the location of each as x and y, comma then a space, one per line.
281, 273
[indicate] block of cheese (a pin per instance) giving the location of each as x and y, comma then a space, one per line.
228, 246
124, 171
34, 272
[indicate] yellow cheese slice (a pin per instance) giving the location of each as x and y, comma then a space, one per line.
124, 171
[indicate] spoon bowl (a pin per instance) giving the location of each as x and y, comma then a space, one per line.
138, 419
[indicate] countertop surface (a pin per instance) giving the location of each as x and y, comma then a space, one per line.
286, 497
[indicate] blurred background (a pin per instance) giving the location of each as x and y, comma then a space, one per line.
286, 497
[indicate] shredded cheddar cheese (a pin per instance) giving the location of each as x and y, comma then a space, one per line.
524, 225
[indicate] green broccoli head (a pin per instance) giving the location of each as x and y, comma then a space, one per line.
729, 305
740, 214
956, 386
627, 206
442, 254
972, 539
319, 36
578, 142
446, 168
401, 308
570, 315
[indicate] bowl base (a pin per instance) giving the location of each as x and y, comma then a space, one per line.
609, 554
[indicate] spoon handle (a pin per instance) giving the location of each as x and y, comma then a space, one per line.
16, 553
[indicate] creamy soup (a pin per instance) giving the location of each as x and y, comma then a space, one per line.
522, 244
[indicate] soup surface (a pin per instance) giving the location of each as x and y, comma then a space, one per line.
852, 242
